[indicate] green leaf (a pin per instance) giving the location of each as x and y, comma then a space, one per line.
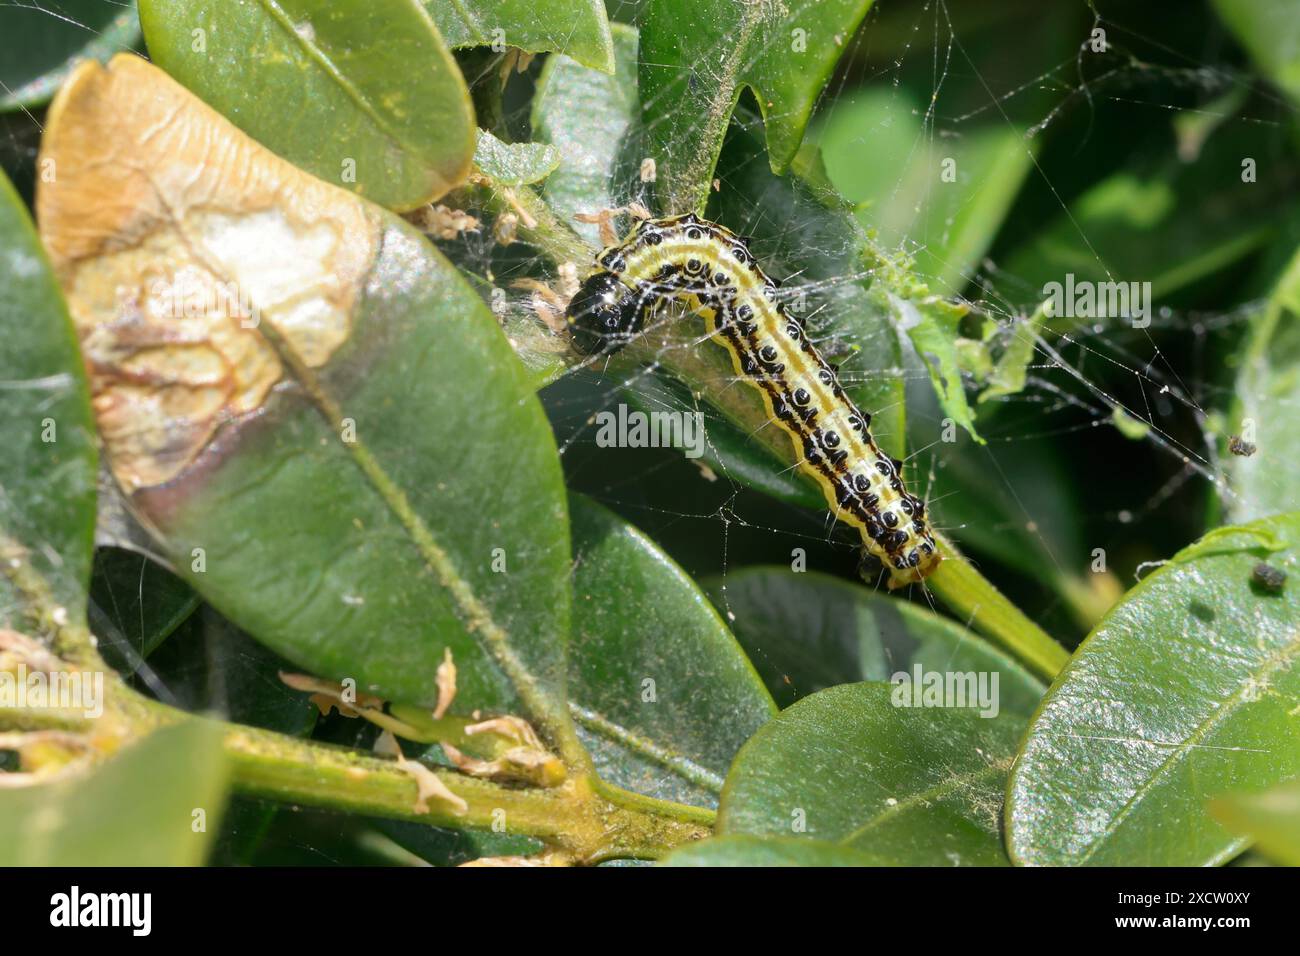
807, 631
151, 789
662, 691
727, 449
1020, 340
698, 55
1270, 32
903, 192
42, 42
914, 786
770, 851
1270, 817
47, 471
932, 324
1267, 394
514, 164
585, 114
1183, 692
366, 96
576, 28
393, 491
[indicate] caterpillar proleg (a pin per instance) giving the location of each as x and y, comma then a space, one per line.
710, 269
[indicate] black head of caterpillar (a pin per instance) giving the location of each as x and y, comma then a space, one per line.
604, 314
711, 270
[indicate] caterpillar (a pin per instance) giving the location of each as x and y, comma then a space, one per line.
712, 271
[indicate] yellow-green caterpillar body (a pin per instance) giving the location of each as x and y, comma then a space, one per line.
711, 269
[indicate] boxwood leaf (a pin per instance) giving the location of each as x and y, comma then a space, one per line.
769, 851
1184, 691
902, 192
577, 28
914, 786
152, 788
318, 418
698, 55
1267, 394
585, 114
659, 686
47, 471
364, 95
807, 631
514, 164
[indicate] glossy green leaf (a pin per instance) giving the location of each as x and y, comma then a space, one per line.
514, 164
807, 631
770, 851
366, 519
1270, 32
585, 114
576, 28
913, 786
1270, 817
150, 791
696, 58
1183, 692
47, 471
945, 199
364, 95
660, 688
41, 42
1267, 395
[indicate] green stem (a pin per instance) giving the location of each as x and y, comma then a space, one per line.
974, 597
584, 817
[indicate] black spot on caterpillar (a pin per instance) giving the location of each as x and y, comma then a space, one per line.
712, 271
